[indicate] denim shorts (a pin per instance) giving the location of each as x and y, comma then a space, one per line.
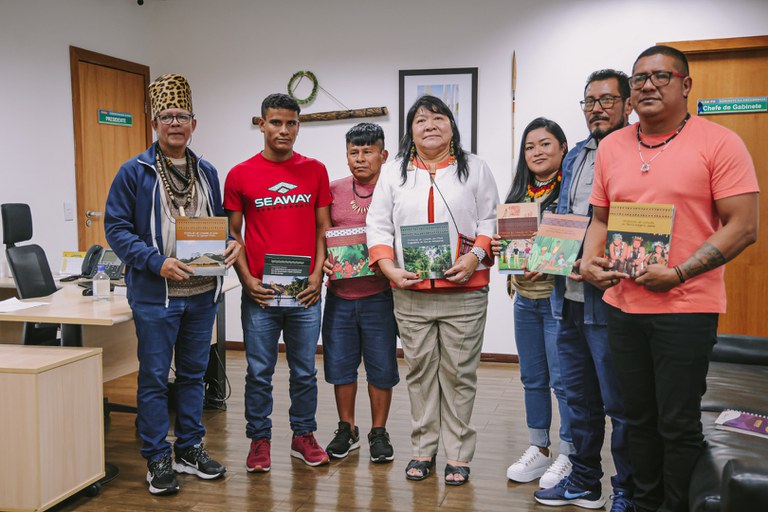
361, 328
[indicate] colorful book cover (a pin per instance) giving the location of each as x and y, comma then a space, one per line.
287, 276
516, 224
557, 243
201, 242
427, 249
639, 234
348, 252
743, 422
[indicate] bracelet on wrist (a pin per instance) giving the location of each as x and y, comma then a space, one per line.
479, 253
679, 274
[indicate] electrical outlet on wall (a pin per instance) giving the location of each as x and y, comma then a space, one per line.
69, 211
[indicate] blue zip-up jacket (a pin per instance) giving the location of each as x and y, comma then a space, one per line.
595, 310
132, 224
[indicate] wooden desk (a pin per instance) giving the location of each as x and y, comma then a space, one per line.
52, 429
107, 324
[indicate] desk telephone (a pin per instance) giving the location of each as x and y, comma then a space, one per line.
97, 255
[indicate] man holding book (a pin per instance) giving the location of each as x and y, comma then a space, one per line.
662, 325
284, 199
587, 371
173, 309
359, 320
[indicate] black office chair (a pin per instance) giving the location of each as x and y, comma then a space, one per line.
29, 268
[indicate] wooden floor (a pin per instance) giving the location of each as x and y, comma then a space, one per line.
350, 484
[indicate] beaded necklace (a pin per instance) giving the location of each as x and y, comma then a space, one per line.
543, 188
187, 190
362, 210
646, 166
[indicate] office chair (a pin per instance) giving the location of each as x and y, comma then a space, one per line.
29, 268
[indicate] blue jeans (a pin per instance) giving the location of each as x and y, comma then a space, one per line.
186, 326
362, 328
536, 337
592, 391
261, 328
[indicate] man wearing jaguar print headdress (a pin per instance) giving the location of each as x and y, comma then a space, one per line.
173, 309
662, 325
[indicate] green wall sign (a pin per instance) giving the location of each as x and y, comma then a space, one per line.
115, 118
712, 106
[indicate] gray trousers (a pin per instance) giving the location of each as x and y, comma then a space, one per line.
442, 337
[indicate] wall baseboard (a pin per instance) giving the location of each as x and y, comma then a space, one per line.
485, 357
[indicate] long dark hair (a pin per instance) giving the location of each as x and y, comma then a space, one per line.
437, 106
523, 175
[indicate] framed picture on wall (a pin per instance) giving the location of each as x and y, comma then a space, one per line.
457, 87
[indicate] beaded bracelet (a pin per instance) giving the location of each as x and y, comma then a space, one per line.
679, 274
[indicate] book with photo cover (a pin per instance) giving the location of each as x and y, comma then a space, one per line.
348, 252
201, 242
516, 225
287, 276
639, 234
427, 249
743, 422
557, 243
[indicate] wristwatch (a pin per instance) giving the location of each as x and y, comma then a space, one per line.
479, 252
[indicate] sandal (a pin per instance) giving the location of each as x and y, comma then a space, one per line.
462, 471
424, 467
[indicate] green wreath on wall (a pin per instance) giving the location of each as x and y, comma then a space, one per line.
294, 81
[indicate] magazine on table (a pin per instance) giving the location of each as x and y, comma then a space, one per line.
744, 422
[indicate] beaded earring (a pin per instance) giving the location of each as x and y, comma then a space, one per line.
452, 153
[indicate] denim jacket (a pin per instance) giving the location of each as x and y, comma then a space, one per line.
132, 224
595, 310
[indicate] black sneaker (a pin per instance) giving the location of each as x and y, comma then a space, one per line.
196, 461
160, 476
381, 447
344, 441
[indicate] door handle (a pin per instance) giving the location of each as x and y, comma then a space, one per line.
89, 213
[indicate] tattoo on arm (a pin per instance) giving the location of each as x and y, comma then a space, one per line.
706, 258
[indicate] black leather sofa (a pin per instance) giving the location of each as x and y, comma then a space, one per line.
732, 473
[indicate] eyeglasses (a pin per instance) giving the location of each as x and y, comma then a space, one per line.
606, 102
658, 78
180, 118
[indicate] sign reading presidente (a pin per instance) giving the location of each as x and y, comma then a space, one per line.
712, 106
115, 118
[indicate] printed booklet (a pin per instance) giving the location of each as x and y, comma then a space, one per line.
348, 252
639, 234
201, 242
744, 422
557, 243
287, 276
427, 249
516, 225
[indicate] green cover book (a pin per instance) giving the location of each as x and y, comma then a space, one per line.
287, 276
557, 243
348, 252
427, 249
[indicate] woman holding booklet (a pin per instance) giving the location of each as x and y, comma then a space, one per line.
538, 180
445, 198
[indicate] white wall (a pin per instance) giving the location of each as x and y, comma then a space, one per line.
235, 52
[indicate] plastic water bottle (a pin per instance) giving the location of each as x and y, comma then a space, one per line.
101, 284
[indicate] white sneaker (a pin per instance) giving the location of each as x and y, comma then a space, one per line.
559, 469
530, 466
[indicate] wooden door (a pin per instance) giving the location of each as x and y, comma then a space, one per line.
735, 68
110, 110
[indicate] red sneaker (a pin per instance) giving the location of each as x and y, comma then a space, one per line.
259, 460
305, 447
